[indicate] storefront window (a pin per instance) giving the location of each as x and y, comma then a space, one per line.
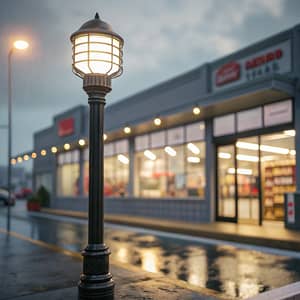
116, 169
45, 180
176, 171
195, 169
151, 175
68, 174
278, 167
176, 168
226, 182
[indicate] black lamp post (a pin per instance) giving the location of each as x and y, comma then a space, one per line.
97, 57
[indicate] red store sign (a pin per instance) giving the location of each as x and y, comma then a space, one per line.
66, 127
263, 59
275, 59
228, 73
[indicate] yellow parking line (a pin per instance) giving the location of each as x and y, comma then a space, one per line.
41, 243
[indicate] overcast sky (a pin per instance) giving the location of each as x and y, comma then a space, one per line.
163, 38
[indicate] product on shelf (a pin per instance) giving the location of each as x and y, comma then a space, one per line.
279, 178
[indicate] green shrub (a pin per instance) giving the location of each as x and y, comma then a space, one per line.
43, 196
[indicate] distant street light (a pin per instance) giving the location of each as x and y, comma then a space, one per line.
17, 45
97, 58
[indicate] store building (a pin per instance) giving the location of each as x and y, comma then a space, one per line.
216, 143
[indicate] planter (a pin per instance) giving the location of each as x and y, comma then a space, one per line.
33, 206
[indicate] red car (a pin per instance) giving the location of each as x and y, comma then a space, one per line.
23, 193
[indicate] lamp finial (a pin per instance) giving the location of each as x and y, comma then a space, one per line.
97, 16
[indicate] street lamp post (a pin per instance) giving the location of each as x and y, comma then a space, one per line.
19, 45
97, 58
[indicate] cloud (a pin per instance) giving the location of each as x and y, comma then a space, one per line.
162, 39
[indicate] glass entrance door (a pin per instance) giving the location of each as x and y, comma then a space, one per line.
238, 181
226, 187
253, 174
247, 160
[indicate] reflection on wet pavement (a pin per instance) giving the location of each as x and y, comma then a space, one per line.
238, 273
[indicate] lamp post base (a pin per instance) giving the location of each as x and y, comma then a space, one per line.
96, 282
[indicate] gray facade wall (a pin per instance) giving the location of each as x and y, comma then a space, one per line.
188, 210
171, 97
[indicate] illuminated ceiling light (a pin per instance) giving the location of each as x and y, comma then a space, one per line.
13, 161
247, 157
272, 149
193, 159
104, 136
127, 129
67, 146
293, 152
43, 152
53, 149
21, 45
157, 121
169, 150
291, 132
265, 148
224, 155
81, 142
240, 171
123, 159
196, 110
248, 146
33, 155
19, 159
150, 155
193, 148
26, 157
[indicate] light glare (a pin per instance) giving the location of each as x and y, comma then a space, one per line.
150, 155
67, 146
127, 130
169, 150
53, 149
81, 142
157, 121
123, 159
196, 110
21, 45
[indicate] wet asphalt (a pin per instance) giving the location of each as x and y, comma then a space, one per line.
236, 272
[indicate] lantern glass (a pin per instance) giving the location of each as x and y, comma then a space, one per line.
95, 53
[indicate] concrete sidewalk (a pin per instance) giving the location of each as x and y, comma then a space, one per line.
34, 270
268, 236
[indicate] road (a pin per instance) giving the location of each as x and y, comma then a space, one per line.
235, 270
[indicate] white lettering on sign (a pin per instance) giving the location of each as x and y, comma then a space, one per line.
290, 208
271, 60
